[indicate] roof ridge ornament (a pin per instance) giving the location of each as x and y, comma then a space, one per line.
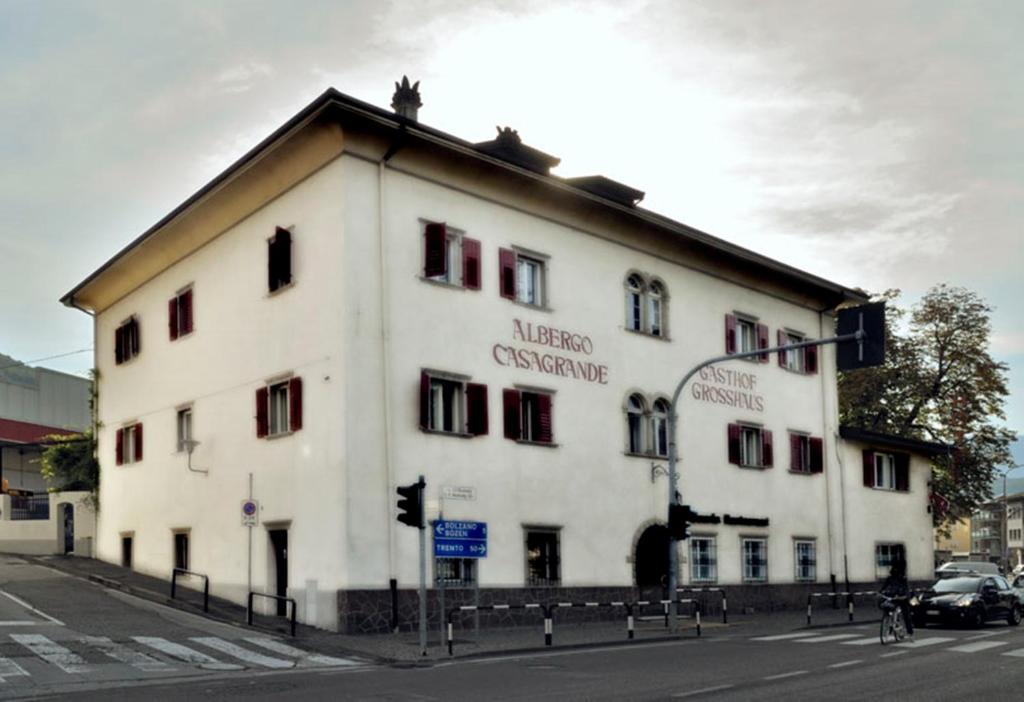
406, 101
508, 136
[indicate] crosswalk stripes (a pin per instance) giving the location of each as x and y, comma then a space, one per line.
305, 659
125, 654
9, 669
242, 654
52, 652
823, 639
867, 641
782, 637
924, 642
184, 653
1019, 653
975, 643
976, 646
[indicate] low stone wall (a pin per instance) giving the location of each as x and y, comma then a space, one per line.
369, 611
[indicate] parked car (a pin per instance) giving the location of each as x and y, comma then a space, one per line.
970, 600
955, 568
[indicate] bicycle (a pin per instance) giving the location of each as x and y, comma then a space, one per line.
894, 627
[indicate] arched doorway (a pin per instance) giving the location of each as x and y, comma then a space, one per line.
651, 558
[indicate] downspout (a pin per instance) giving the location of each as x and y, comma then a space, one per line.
385, 337
94, 418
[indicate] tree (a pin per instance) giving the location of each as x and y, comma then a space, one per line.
69, 463
938, 383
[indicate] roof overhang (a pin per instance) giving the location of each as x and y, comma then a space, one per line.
875, 438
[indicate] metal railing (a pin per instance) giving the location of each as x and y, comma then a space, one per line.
548, 611
206, 585
30, 507
277, 598
849, 600
720, 591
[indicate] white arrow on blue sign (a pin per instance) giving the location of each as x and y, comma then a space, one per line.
455, 539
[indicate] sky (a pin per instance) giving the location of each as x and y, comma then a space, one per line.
876, 144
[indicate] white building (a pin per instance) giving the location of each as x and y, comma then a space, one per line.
362, 299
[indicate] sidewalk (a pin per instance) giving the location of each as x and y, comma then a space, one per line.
403, 648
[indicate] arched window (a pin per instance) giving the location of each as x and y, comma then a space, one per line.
635, 410
659, 428
655, 297
635, 303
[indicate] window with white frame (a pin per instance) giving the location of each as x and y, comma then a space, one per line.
181, 550
450, 257
533, 417
750, 446
279, 408
184, 426
703, 559
806, 559
636, 411
455, 572
451, 404
885, 555
755, 560
645, 305
278, 413
746, 335
129, 444
528, 415
543, 559
659, 428
523, 277
885, 471
806, 453
794, 358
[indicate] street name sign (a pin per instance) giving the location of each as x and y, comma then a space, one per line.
455, 539
458, 492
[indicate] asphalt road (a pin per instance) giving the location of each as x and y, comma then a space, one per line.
62, 637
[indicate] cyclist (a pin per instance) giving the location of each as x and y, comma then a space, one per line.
898, 590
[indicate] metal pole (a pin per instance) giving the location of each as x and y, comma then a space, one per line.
249, 566
673, 450
423, 578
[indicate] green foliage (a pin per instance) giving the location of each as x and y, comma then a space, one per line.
938, 383
69, 463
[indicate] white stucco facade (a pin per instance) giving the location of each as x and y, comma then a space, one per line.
359, 325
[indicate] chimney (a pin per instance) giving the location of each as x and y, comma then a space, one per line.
406, 100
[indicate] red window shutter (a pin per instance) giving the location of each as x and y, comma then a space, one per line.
734, 443
762, 341
767, 459
510, 404
794, 453
507, 272
817, 448
295, 404
869, 468
730, 334
476, 409
120, 446
172, 317
119, 345
136, 337
902, 461
138, 442
470, 264
435, 263
810, 360
424, 400
782, 340
262, 421
544, 410
186, 312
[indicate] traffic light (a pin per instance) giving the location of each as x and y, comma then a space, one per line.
870, 351
679, 519
410, 507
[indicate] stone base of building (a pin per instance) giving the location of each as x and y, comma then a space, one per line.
372, 611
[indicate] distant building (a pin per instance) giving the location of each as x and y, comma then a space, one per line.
957, 545
999, 540
363, 299
36, 403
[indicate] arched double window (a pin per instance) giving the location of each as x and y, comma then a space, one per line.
646, 426
646, 302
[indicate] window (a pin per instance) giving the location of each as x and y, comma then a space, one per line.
659, 428
455, 572
450, 404
179, 314
755, 560
279, 408
886, 471
804, 360
126, 340
450, 257
528, 416
645, 302
744, 334
181, 550
126, 551
523, 277
806, 560
279, 260
703, 559
885, 554
542, 557
129, 444
184, 423
806, 454
750, 446
636, 410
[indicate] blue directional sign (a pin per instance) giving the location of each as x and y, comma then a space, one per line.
460, 539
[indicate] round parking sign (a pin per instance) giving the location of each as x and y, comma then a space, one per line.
250, 512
